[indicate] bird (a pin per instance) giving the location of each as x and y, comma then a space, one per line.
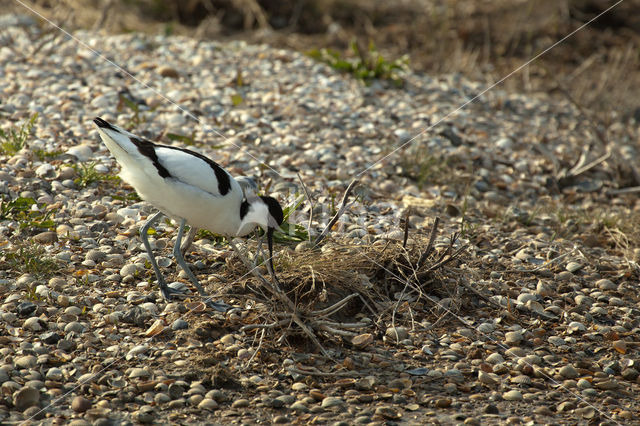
190, 187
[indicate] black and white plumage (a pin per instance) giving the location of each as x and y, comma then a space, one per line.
188, 186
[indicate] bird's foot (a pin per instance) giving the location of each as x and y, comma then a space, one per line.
219, 306
173, 290
177, 290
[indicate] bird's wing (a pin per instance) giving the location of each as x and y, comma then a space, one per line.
195, 169
186, 166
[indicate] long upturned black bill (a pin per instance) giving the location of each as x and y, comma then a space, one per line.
270, 244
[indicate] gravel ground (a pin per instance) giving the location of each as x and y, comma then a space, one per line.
534, 321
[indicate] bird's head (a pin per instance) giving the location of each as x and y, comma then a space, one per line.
261, 211
264, 212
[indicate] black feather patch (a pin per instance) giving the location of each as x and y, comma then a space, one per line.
147, 148
224, 181
274, 208
244, 208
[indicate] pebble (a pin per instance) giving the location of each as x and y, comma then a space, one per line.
330, 401
26, 362
397, 333
569, 372
80, 404
26, 397
512, 395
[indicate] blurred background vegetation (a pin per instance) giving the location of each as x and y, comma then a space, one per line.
598, 68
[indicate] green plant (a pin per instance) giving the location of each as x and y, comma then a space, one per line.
217, 240
137, 118
87, 174
21, 210
32, 295
31, 259
131, 196
187, 140
13, 140
47, 155
366, 65
293, 232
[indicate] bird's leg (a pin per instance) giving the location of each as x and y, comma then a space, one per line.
187, 242
165, 290
259, 251
177, 253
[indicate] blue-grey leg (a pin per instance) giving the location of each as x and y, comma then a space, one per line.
165, 290
177, 253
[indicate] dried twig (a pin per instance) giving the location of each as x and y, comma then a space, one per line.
334, 219
311, 204
432, 237
406, 228
316, 372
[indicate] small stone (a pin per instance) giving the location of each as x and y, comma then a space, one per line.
26, 309
605, 284
144, 415
513, 337
179, 324
443, 402
491, 409
630, 374
583, 384
34, 324
166, 71
495, 358
55, 374
397, 333
74, 326
620, 346
208, 404
175, 391
80, 404
362, 341
387, 413
331, 402
299, 406
573, 267
486, 327
138, 373
240, 403
607, 385
543, 410
569, 372
47, 237
27, 361
128, 269
299, 386
512, 395
26, 397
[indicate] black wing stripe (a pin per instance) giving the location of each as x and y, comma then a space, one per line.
224, 181
147, 149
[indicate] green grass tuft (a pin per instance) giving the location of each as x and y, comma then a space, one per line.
14, 139
21, 210
87, 175
366, 65
30, 259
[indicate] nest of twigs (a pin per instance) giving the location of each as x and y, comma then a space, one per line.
340, 290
